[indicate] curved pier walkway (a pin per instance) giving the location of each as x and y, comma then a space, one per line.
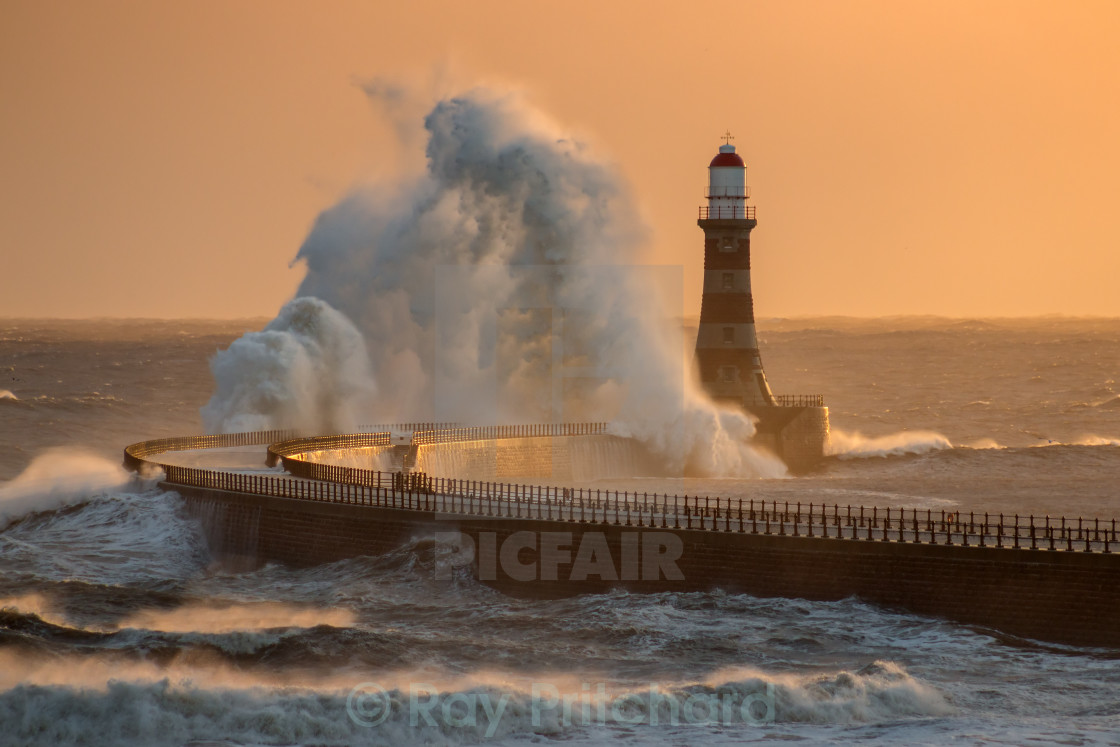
239, 462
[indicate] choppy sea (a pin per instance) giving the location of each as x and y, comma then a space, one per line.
118, 626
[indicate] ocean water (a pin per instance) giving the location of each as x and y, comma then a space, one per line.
117, 626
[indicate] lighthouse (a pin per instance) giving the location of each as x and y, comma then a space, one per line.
727, 345
795, 427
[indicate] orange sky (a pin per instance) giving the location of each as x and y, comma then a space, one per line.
954, 158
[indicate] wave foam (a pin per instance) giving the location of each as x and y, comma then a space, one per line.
307, 369
115, 537
464, 283
59, 477
216, 618
67, 701
983, 444
854, 445
878, 692
1091, 440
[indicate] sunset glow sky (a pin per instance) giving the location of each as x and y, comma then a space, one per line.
960, 158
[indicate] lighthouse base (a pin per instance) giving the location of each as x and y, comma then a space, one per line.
798, 435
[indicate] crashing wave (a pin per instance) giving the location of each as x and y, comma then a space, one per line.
854, 445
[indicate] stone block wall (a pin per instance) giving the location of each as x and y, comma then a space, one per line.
804, 441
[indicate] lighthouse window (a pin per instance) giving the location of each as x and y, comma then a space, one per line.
728, 280
728, 335
728, 373
727, 244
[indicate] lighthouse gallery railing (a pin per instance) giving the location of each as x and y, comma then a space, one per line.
727, 213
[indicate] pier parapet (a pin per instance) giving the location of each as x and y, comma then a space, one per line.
1041, 577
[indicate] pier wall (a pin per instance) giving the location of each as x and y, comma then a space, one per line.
1067, 597
561, 458
798, 435
805, 438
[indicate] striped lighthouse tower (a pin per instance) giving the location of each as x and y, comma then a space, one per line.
727, 345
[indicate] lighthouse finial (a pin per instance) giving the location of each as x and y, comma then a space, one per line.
727, 137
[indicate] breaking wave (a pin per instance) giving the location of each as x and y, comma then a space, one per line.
56, 478
131, 710
854, 445
505, 284
308, 370
1091, 440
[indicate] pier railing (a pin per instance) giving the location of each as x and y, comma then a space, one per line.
407, 427
488, 432
136, 455
288, 451
452, 498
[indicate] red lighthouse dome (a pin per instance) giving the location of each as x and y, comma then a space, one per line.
726, 157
